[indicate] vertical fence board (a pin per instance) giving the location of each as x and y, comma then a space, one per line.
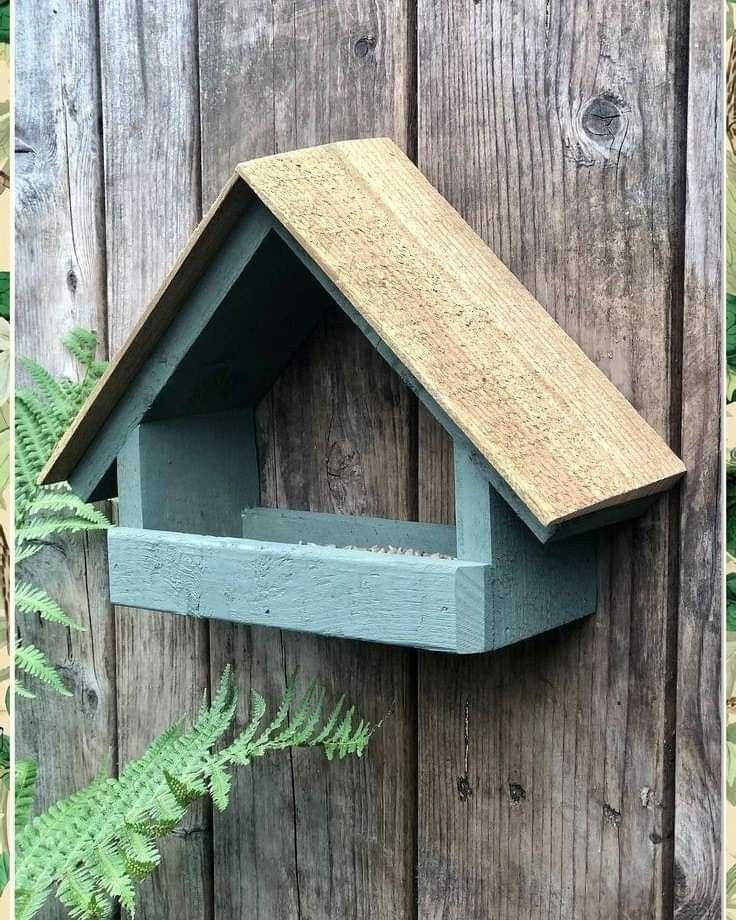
556, 130
355, 821
301, 74
151, 133
59, 208
698, 806
255, 870
60, 283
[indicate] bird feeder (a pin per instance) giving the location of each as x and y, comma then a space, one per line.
546, 450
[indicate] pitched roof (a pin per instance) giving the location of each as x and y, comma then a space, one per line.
552, 425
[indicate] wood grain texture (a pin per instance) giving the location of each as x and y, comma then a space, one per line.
202, 247
70, 739
59, 283
698, 804
390, 598
299, 74
255, 857
58, 178
344, 442
151, 134
555, 132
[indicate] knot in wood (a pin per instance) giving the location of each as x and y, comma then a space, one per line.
602, 118
364, 45
517, 793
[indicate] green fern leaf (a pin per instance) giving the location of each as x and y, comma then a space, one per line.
42, 528
96, 845
140, 848
32, 661
29, 903
56, 399
282, 713
25, 786
25, 551
42, 415
240, 751
330, 724
108, 865
219, 786
78, 893
52, 500
33, 600
82, 345
183, 793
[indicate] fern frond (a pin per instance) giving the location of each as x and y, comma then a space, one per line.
29, 903
25, 786
42, 528
25, 551
33, 600
82, 345
278, 720
140, 849
42, 415
219, 786
78, 894
240, 751
107, 865
56, 399
96, 846
67, 501
32, 661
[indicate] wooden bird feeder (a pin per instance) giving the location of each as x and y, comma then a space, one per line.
546, 450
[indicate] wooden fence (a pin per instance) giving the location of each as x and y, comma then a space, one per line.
575, 776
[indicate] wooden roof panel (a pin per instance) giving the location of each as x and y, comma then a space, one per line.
541, 413
544, 416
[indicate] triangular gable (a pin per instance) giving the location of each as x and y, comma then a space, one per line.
551, 431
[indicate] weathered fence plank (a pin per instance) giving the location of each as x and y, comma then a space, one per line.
301, 74
556, 135
697, 828
254, 855
255, 868
59, 208
356, 823
60, 283
152, 198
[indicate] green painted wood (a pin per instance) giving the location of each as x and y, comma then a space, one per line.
588, 522
533, 587
280, 525
189, 474
472, 504
271, 310
196, 312
429, 602
392, 598
182, 475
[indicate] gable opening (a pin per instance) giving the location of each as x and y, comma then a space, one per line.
334, 427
